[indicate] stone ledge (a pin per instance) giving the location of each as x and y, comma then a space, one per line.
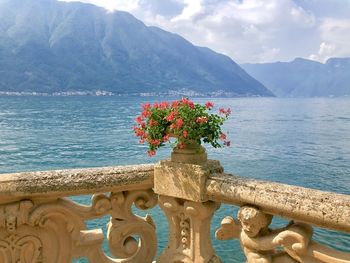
75, 181
324, 209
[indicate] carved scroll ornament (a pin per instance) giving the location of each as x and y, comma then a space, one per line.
54, 231
260, 244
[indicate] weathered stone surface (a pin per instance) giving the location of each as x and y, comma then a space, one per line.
75, 181
290, 244
183, 180
324, 209
54, 230
189, 231
193, 153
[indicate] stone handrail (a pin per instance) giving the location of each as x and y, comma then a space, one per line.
39, 223
75, 181
320, 208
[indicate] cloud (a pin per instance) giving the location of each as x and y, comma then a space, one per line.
129, 5
335, 37
251, 30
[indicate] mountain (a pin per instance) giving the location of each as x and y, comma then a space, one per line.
304, 78
48, 46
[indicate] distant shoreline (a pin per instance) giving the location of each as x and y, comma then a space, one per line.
218, 94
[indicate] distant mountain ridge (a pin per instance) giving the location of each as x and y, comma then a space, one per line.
304, 78
59, 47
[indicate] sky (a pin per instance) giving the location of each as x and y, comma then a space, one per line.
250, 31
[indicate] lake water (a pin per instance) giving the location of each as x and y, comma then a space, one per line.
302, 142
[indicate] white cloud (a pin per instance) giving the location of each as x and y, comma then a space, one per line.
250, 30
335, 37
190, 11
111, 5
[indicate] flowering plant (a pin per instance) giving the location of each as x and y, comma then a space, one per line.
184, 120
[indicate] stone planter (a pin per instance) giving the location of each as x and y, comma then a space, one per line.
192, 153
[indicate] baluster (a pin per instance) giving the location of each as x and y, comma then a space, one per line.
182, 196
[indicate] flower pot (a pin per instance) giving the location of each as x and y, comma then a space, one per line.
192, 153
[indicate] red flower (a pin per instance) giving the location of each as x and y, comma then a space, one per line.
152, 122
226, 112
209, 105
181, 145
227, 143
139, 119
172, 126
146, 106
187, 102
222, 136
151, 153
146, 110
170, 117
179, 123
166, 138
202, 119
175, 104
185, 134
155, 142
139, 132
164, 105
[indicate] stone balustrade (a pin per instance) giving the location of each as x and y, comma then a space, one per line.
40, 223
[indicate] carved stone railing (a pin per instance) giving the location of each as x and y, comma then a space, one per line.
261, 200
40, 223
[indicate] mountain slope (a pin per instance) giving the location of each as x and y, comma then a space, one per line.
49, 46
304, 78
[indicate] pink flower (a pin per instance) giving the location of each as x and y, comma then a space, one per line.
146, 106
166, 138
202, 119
187, 102
139, 119
226, 112
179, 123
185, 133
155, 142
175, 104
164, 105
152, 122
151, 153
209, 105
222, 136
139, 132
170, 117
